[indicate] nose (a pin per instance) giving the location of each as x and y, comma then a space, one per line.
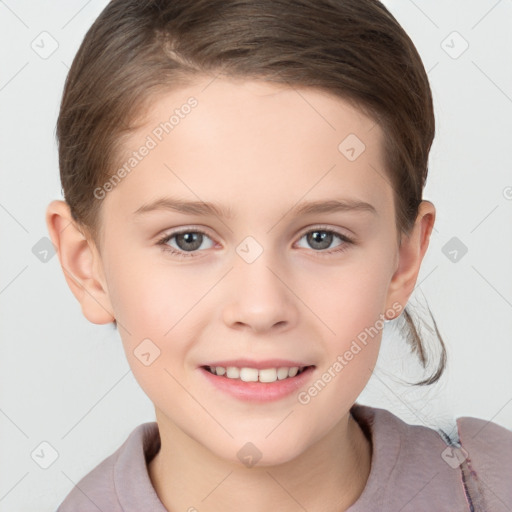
258, 297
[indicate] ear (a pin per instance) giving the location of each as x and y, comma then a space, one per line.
410, 255
80, 262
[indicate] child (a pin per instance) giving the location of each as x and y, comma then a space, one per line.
287, 144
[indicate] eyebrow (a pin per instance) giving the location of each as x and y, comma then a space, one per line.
204, 208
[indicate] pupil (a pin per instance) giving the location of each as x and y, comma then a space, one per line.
321, 237
189, 238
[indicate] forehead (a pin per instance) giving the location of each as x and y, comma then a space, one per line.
246, 141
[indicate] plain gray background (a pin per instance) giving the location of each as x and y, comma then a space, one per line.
66, 382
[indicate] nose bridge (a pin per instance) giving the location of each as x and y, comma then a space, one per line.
259, 297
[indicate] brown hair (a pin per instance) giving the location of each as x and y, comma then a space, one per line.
354, 49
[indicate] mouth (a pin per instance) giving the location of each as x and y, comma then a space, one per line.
258, 381
264, 375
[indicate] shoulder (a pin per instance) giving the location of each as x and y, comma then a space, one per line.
486, 460
109, 484
407, 471
95, 491
486, 441
413, 468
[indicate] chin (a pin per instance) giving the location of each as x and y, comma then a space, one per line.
261, 453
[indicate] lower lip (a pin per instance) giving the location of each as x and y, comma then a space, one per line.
258, 391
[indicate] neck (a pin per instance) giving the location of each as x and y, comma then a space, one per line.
329, 476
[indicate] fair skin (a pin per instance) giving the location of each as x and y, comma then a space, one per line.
258, 149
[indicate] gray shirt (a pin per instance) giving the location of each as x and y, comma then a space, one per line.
413, 469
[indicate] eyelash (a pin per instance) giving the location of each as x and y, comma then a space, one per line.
323, 253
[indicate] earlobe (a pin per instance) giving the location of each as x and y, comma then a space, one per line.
410, 256
80, 263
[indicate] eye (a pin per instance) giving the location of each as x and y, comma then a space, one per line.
322, 237
187, 241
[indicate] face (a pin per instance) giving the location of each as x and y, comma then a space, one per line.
261, 282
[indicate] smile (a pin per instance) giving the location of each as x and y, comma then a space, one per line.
254, 374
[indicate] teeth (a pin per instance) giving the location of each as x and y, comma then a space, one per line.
293, 371
249, 374
254, 375
232, 372
282, 373
268, 375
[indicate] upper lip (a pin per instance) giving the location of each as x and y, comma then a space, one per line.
266, 363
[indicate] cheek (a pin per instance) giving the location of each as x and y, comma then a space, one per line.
352, 306
147, 295
148, 301
350, 297
159, 303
